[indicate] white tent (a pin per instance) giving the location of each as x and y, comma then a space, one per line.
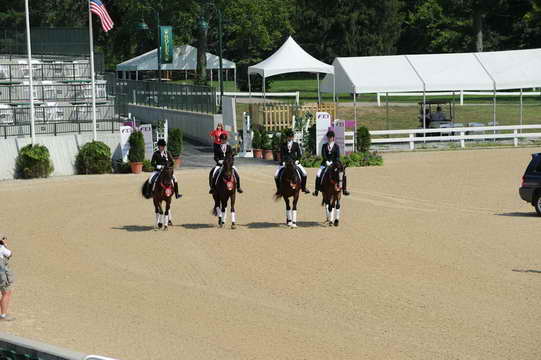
499, 70
289, 58
184, 58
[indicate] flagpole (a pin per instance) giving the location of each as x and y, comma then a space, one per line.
92, 72
29, 50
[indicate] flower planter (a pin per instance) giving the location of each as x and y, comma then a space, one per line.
178, 162
258, 153
136, 167
267, 155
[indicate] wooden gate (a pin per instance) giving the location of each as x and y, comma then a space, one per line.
277, 117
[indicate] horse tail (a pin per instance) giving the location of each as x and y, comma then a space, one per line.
277, 197
144, 190
213, 211
322, 202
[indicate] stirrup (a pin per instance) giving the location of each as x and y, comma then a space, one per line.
178, 196
315, 193
345, 192
211, 191
240, 191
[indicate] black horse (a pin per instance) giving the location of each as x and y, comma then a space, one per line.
290, 186
331, 190
163, 191
225, 190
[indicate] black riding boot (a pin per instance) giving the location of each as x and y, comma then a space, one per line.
277, 182
177, 195
237, 176
211, 182
344, 186
318, 184
303, 185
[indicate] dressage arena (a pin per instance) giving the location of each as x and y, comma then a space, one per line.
436, 257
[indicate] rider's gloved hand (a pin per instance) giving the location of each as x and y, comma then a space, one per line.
159, 167
296, 162
329, 163
220, 162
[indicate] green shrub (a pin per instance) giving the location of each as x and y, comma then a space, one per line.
266, 143
352, 160
147, 166
93, 158
256, 141
175, 143
311, 161
137, 147
33, 161
310, 140
363, 139
276, 141
121, 167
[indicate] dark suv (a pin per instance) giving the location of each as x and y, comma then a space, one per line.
530, 190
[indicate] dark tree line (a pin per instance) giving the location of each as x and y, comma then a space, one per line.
325, 28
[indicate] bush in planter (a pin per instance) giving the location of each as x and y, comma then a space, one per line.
310, 140
147, 166
33, 162
266, 142
363, 139
256, 141
311, 161
93, 158
137, 147
175, 142
276, 141
121, 167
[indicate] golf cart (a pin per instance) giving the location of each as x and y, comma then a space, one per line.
439, 114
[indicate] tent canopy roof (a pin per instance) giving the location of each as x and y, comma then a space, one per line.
290, 58
437, 72
184, 58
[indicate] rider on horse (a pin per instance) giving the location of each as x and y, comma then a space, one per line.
330, 153
160, 159
290, 151
220, 153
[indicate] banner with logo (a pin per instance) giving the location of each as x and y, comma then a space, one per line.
125, 132
166, 44
340, 135
146, 129
323, 123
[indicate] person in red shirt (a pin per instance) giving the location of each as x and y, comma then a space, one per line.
215, 135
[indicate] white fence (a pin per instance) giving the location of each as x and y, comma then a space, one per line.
460, 134
460, 93
296, 95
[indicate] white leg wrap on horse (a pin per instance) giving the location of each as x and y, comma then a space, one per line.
332, 214
327, 213
218, 212
233, 217
157, 218
294, 216
224, 216
337, 217
288, 215
165, 220
170, 217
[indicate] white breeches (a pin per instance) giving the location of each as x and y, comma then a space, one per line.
156, 173
300, 167
320, 171
218, 167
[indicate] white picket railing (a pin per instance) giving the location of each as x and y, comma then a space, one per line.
460, 134
459, 93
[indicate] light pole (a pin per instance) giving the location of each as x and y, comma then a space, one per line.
212, 4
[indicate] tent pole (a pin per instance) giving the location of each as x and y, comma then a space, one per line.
521, 111
235, 77
249, 86
318, 91
264, 91
494, 115
334, 88
453, 110
211, 79
355, 104
387, 111
424, 114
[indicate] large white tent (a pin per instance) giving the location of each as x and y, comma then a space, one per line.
499, 70
184, 58
289, 58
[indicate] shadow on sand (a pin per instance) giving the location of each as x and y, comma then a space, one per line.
527, 271
134, 228
197, 226
268, 225
519, 214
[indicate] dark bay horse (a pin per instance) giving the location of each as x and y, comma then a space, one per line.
225, 190
331, 190
290, 186
163, 192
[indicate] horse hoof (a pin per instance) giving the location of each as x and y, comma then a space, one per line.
170, 223
293, 226
233, 226
336, 222
160, 225
330, 223
220, 225
165, 228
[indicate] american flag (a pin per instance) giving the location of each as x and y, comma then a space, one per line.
97, 7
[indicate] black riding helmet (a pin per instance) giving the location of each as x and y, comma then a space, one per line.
223, 137
162, 142
330, 134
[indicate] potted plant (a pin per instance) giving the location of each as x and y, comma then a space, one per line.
94, 158
136, 155
266, 145
33, 161
175, 145
276, 141
256, 144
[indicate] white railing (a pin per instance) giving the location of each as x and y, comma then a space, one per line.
296, 95
460, 134
460, 93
